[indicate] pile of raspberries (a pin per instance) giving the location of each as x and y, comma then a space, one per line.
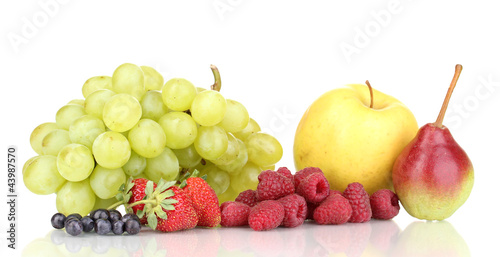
283, 199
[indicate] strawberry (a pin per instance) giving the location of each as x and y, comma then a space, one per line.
204, 201
134, 190
178, 215
138, 194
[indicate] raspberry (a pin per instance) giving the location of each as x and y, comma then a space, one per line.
295, 210
333, 210
360, 203
285, 172
314, 188
312, 206
273, 185
303, 173
248, 197
384, 204
266, 215
234, 214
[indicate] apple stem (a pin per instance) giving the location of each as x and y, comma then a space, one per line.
439, 120
371, 93
216, 86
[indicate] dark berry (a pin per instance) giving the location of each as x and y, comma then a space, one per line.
101, 214
68, 219
132, 226
76, 215
117, 227
130, 216
114, 215
88, 224
57, 220
102, 226
74, 227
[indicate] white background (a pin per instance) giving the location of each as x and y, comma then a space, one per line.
276, 57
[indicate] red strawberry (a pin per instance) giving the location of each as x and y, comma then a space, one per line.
138, 194
204, 201
181, 216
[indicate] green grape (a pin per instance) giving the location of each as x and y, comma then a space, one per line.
178, 94
180, 129
111, 150
77, 102
129, 79
121, 112
228, 195
85, 129
252, 127
135, 165
96, 83
208, 108
231, 153
236, 117
270, 167
28, 162
103, 203
248, 178
164, 166
188, 157
147, 138
54, 141
75, 162
94, 103
236, 165
152, 106
106, 182
41, 176
67, 114
263, 149
39, 133
153, 80
75, 197
211, 142
200, 89
218, 179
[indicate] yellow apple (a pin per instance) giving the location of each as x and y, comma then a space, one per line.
353, 137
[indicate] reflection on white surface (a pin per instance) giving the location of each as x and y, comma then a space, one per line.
374, 238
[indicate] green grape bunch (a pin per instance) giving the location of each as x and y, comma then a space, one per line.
132, 124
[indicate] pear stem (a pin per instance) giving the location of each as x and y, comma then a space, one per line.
217, 85
371, 93
439, 120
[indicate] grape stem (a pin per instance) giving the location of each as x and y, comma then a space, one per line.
115, 205
217, 85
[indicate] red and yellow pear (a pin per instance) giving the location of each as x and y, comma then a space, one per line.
433, 176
